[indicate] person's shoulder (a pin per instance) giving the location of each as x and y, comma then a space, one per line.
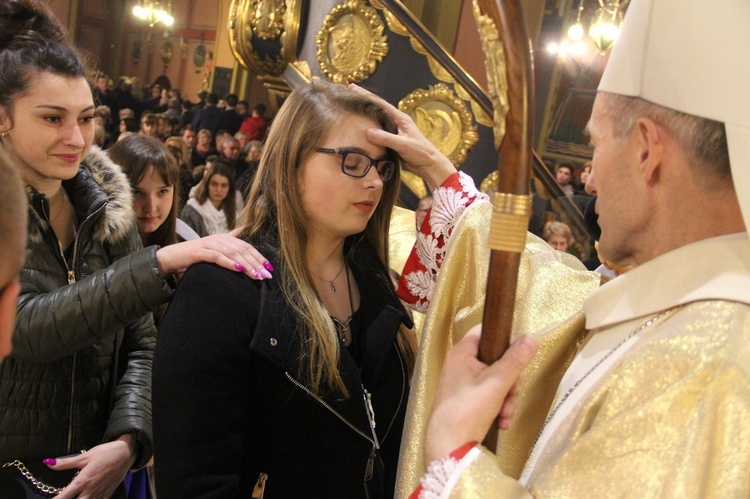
213, 281
184, 231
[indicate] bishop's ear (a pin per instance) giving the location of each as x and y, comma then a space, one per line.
649, 141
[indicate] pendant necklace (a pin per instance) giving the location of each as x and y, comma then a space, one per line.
62, 202
342, 328
330, 283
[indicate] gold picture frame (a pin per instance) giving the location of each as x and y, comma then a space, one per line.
351, 43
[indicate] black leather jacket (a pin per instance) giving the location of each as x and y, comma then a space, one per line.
79, 322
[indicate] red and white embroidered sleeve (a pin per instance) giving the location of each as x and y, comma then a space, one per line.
439, 472
420, 273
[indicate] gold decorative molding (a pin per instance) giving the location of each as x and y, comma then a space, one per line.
497, 78
444, 119
267, 20
351, 42
436, 68
489, 183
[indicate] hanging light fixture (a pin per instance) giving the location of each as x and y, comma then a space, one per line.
575, 32
605, 26
152, 12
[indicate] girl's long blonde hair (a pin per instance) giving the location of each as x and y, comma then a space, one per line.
274, 212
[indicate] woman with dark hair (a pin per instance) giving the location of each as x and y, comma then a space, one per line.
213, 209
79, 376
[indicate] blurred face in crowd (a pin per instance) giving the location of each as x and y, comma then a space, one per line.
152, 201
585, 174
218, 188
188, 137
149, 129
243, 138
254, 153
204, 141
231, 149
564, 175
102, 84
560, 243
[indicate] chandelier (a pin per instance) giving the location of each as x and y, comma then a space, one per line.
605, 26
153, 13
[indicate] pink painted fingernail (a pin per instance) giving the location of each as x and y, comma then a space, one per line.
268, 266
266, 274
50, 461
240, 267
255, 274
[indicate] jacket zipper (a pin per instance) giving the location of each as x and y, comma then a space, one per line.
71, 276
369, 470
331, 409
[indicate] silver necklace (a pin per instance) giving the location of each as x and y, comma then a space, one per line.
330, 283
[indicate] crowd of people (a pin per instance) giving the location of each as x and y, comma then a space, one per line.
287, 364
209, 137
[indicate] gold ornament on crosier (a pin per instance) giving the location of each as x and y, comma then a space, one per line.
351, 42
268, 18
444, 119
497, 78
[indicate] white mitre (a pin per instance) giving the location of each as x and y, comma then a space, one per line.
691, 56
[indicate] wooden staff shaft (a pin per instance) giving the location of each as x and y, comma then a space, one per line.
513, 181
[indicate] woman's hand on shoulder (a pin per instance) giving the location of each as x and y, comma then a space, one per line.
420, 156
224, 250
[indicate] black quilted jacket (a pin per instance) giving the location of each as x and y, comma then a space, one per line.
56, 389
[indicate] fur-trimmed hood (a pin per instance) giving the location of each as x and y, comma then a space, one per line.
99, 181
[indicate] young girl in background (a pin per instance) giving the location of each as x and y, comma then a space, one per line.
213, 209
154, 175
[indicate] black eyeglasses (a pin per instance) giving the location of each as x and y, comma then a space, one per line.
356, 164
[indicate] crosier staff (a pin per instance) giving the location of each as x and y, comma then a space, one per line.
513, 112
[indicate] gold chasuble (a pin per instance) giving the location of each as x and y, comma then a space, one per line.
670, 417
551, 289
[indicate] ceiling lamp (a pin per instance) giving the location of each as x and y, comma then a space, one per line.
605, 26
575, 32
153, 13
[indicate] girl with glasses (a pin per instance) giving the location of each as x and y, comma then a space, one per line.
302, 390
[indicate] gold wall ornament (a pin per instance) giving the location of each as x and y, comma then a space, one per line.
497, 78
351, 42
268, 18
270, 21
444, 119
167, 51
